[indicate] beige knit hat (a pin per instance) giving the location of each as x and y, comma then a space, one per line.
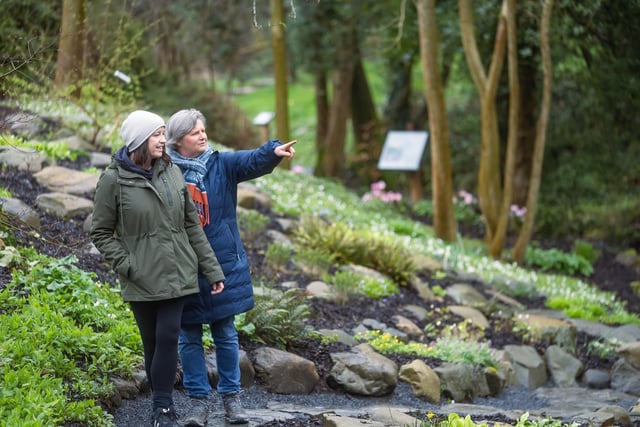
138, 127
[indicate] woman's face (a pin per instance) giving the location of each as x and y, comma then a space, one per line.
194, 143
156, 142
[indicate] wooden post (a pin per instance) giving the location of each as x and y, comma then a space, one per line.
262, 120
415, 186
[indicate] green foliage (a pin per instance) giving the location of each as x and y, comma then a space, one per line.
53, 150
450, 349
455, 420
277, 256
90, 106
585, 250
4, 192
328, 200
64, 335
29, 32
423, 208
466, 208
357, 247
378, 288
251, 224
345, 284
605, 348
439, 291
278, 319
337, 238
558, 261
591, 310
407, 227
227, 124
315, 262
386, 256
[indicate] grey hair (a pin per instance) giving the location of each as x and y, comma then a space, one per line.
181, 123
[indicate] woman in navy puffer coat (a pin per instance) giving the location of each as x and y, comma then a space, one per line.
212, 178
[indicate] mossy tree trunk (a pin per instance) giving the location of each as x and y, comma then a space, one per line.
333, 161
489, 186
524, 237
497, 242
69, 63
442, 183
366, 127
280, 73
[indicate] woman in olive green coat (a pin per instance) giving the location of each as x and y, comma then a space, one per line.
146, 226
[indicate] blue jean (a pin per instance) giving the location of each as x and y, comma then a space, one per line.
225, 338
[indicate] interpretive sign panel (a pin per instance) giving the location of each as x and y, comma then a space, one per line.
403, 150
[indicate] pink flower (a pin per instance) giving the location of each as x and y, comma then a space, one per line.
297, 169
377, 192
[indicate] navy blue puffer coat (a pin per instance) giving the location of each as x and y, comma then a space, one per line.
224, 171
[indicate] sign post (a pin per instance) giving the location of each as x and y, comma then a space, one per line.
403, 151
262, 120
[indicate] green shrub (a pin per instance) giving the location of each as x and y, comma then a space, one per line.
385, 256
346, 284
4, 192
585, 250
278, 319
378, 288
450, 349
277, 256
558, 261
251, 224
315, 262
54, 151
604, 348
357, 247
337, 239
63, 336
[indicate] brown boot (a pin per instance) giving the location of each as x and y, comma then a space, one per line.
197, 414
233, 409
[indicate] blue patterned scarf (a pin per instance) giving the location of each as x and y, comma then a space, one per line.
194, 170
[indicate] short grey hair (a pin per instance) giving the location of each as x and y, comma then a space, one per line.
181, 123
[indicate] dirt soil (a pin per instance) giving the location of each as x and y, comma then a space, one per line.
59, 238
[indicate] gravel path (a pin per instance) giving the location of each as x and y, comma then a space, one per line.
271, 409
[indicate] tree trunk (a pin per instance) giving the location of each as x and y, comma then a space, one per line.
489, 186
71, 48
366, 127
322, 116
333, 164
541, 131
398, 111
527, 133
443, 211
497, 243
280, 73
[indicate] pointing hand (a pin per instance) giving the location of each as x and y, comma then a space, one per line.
286, 150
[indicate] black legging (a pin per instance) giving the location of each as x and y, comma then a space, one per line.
159, 325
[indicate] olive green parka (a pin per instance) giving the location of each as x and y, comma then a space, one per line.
150, 233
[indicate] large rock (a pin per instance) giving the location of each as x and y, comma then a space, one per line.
528, 365
364, 372
65, 180
64, 205
424, 382
285, 373
23, 159
563, 367
21, 211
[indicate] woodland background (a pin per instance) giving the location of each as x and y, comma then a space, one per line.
529, 104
